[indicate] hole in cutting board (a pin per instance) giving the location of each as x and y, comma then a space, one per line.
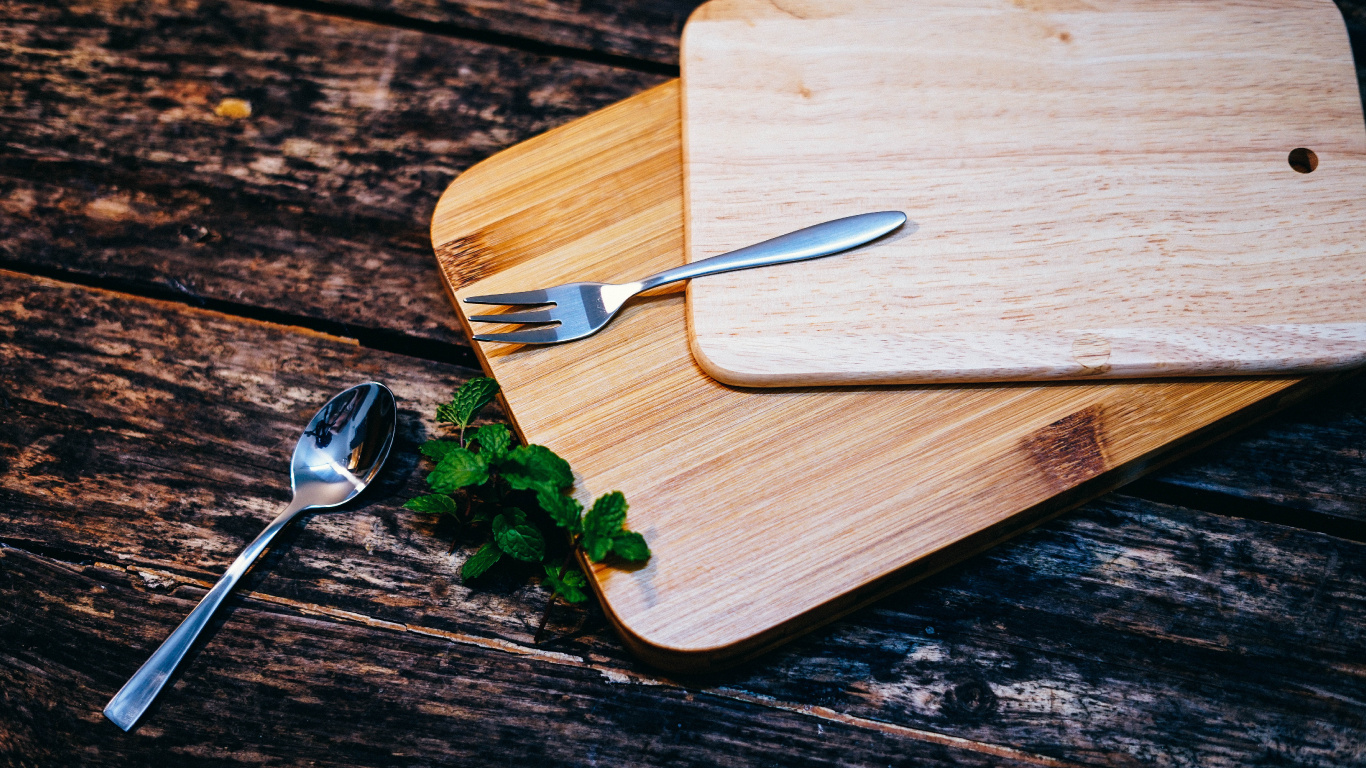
1303, 160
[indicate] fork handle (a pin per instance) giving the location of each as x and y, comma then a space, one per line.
142, 688
811, 243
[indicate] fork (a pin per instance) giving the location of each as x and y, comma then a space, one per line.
582, 309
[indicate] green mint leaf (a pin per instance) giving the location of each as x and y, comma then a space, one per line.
607, 515
567, 584
457, 469
630, 546
435, 504
494, 441
467, 401
436, 450
596, 546
565, 511
521, 540
446, 412
602, 523
479, 562
528, 466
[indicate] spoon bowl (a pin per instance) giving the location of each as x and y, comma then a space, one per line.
337, 456
344, 446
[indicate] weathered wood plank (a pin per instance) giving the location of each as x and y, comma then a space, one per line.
1308, 459
1124, 633
157, 435
116, 167
281, 689
646, 30
152, 439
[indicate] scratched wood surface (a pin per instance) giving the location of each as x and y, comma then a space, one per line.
639, 33
311, 209
1308, 464
941, 472
1096, 190
1128, 632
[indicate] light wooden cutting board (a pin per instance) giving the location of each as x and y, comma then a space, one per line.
768, 511
1098, 188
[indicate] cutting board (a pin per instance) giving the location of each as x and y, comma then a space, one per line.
768, 511
1097, 188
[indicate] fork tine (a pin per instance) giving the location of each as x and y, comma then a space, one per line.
537, 336
523, 297
535, 316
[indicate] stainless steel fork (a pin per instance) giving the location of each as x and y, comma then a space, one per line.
582, 309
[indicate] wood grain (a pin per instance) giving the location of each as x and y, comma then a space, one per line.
902, 481
1122, 633
116, 169
953, 653
644, 30
1307, 463
391, 698
170, 451
1098, 189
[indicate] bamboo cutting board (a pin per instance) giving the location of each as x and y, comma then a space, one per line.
768, 511
1098, 188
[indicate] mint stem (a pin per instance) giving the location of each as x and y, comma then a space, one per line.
545, 617
461, 521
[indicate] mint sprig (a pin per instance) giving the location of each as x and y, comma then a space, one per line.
466, 403
602, 523
488, 480
567, 583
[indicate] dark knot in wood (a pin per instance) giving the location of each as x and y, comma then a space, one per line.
1071, 450
970, 701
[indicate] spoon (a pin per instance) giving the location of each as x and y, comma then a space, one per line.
336, 458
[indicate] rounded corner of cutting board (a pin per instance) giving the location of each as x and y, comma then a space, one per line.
519, 163
676, 658
715, 10
672, 655
453, 195
701, 13
736, 377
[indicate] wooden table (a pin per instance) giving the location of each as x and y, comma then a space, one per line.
183, 288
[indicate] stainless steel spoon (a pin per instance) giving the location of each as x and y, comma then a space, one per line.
342, 450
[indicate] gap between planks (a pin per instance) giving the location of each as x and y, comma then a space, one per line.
487, 37
1160, 491
613, 675
380, 340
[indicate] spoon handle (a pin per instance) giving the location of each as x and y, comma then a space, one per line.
142, 688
